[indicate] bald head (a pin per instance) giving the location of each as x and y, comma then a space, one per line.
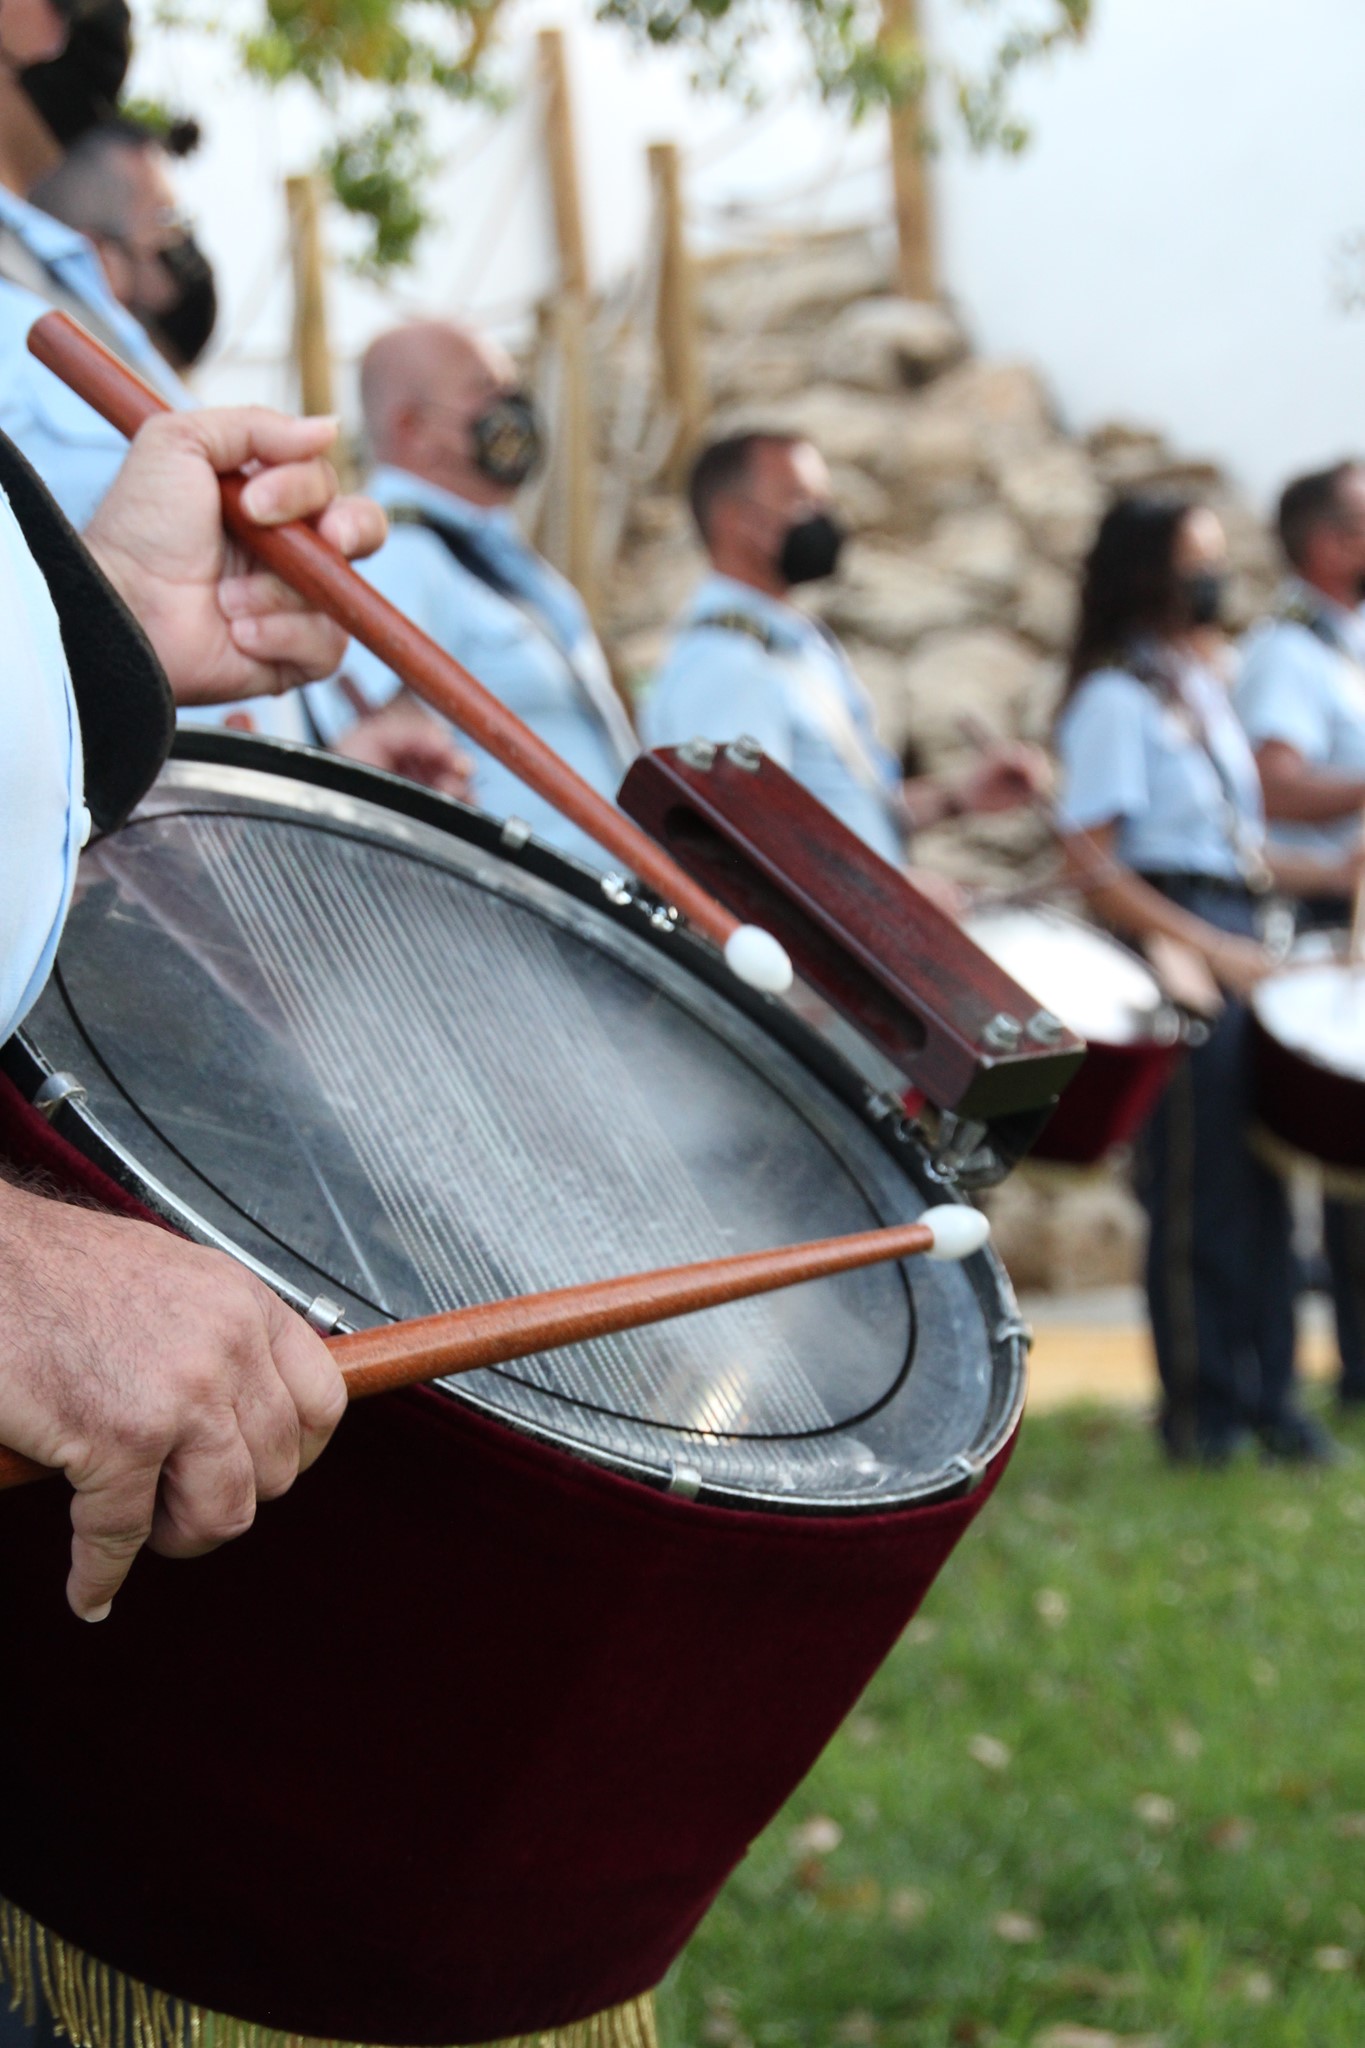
422, 387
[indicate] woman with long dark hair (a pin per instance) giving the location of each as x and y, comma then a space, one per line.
1164, 832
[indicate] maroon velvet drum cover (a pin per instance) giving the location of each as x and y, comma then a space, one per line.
460, 1742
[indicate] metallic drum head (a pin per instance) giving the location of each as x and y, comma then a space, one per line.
333, 1026
1095, 984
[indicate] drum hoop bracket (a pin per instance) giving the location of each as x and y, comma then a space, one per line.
57, 1090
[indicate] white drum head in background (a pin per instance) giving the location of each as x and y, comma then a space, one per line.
1088, 979
1316, 1008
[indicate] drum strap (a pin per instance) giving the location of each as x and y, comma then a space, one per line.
595, 690
124, 702
1145, 660
20, 266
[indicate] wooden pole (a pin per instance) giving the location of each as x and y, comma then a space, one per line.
579, 452
916, 267
577, 466
312, 355
562, 151
679, 342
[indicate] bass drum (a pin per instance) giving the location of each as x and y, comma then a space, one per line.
625, 1591
1106, 993
1308, 1039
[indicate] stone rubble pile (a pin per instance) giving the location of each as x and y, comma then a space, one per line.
971, 508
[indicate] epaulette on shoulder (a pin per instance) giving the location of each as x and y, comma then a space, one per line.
1296, 611
740, 622
1296, 608
405, 515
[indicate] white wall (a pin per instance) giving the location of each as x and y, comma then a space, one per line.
1163, 251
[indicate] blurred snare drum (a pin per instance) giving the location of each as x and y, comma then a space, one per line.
1104, 991
1309, 1053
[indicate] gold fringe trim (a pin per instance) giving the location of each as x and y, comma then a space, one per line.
1339, 1183
97, 2007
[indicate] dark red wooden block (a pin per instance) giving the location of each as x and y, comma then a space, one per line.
857, 931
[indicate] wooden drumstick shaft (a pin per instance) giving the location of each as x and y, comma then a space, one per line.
495, 1332
300, 557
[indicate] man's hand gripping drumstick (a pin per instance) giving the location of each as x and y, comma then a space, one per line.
434, 1347
304, 558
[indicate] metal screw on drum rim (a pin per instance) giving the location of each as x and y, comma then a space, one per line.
324, 1315
663, 918
617, 890
746, 753
684, 1482
515, 833
698, 753
1003, 1033
56, 1090
1046, 1028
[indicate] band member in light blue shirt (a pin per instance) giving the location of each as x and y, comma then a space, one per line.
744, 659
1301, 694
1302, 699
455, 437
1162, 816
44, 263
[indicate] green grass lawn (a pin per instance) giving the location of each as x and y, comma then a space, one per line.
1110, 1786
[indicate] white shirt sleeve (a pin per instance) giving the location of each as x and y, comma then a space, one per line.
43, 821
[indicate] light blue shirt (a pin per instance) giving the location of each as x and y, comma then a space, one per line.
796, 695
1298, 688
43, 820
75, 452
543, 662
1133, 760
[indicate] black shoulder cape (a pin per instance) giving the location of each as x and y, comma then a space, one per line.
126, 709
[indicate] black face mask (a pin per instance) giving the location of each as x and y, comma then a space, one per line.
811, 549
1205, 598
184, 327
509, 441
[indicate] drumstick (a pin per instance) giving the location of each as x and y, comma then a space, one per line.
495, 1332
300, 557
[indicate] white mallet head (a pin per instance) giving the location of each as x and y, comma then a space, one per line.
958, 1231
756, 957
